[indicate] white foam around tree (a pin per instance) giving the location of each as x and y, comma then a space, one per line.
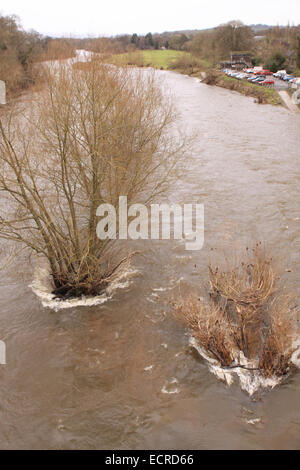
42, 286
250, 381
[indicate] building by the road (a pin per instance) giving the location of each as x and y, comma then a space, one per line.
241, 58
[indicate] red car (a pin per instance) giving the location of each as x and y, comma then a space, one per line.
264, 72
268, 81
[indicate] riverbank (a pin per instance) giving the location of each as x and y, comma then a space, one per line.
263, 95
187, 64
295, 107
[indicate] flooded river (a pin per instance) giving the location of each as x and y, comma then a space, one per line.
122, 374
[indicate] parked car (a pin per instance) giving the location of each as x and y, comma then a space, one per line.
264, 72
241, 76
296, 81
268, 81
281, 73
258, 79
257, 69
287, 78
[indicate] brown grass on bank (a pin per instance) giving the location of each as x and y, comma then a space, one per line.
245, 313
189, 64
262, 94
212, 77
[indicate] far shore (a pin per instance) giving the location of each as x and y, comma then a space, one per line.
187, 64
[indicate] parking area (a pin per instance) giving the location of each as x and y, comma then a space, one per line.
259, 76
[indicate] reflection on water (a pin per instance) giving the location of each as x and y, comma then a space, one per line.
122, 374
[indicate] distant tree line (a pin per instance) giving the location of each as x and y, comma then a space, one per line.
128, 43
275, 47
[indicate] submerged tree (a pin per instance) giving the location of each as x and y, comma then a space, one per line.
94, 134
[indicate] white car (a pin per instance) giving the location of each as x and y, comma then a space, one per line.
242, 76
296, 81
282, 74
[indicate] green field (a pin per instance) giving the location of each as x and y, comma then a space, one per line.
151, 58
160, 59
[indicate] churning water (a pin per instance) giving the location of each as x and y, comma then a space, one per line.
121, 373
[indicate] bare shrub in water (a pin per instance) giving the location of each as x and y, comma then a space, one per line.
94, 134
250, 283
245, 314
278, 345
209, 327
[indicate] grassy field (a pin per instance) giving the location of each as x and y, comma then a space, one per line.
161, 59
166, 59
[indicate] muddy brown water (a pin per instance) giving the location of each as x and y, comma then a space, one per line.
122, 375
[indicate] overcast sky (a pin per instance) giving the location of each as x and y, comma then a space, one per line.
111, 17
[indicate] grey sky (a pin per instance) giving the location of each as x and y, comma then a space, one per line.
111, 17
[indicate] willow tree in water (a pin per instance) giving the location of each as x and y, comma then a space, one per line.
94, 133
